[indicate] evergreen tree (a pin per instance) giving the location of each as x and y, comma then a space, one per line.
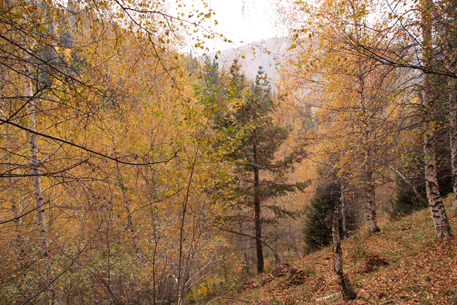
317, 228
258, 137
404, 202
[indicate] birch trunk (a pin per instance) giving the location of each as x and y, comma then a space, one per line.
370, 203
343, 214
438, 211
453, 134
35, 166
452, 94
347, 291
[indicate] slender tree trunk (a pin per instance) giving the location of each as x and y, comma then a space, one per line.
130, 225
343, 214
35, 166
453, 133
181, 278
257, 216
156, 237
370, 203
438, 211
347, 291
258, 225
36, 181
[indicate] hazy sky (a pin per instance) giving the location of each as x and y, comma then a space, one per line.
243, 20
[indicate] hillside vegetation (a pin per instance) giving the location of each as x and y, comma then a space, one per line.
135, 170
402, 264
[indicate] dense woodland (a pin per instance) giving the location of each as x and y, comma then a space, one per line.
135, 171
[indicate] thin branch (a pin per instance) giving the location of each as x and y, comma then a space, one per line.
44, 174
85, 148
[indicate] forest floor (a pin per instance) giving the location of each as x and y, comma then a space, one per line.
402, 264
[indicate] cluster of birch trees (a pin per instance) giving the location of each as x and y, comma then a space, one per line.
380, 77
104, 188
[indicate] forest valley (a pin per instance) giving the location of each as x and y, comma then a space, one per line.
135, 171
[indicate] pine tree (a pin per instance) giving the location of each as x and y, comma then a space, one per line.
258, 137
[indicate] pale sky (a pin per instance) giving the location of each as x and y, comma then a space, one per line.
241, 20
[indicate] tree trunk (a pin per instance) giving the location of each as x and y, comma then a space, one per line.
453, 134
155, 234
370, 205
450, 66
130, 225
35, 165
440, 220
257, 217
347, 291
258, 226
343, 214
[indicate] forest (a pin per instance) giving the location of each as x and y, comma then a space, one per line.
136, 167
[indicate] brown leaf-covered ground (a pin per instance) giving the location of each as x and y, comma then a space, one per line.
403, 264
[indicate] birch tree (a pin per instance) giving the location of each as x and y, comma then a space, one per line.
438, 211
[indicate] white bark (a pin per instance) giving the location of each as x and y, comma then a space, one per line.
438, 211
452, 94
453, 134
35, 165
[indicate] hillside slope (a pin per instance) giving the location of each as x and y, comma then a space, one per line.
267, 53
403, 264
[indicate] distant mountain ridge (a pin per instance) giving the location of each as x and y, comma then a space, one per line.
265, 53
